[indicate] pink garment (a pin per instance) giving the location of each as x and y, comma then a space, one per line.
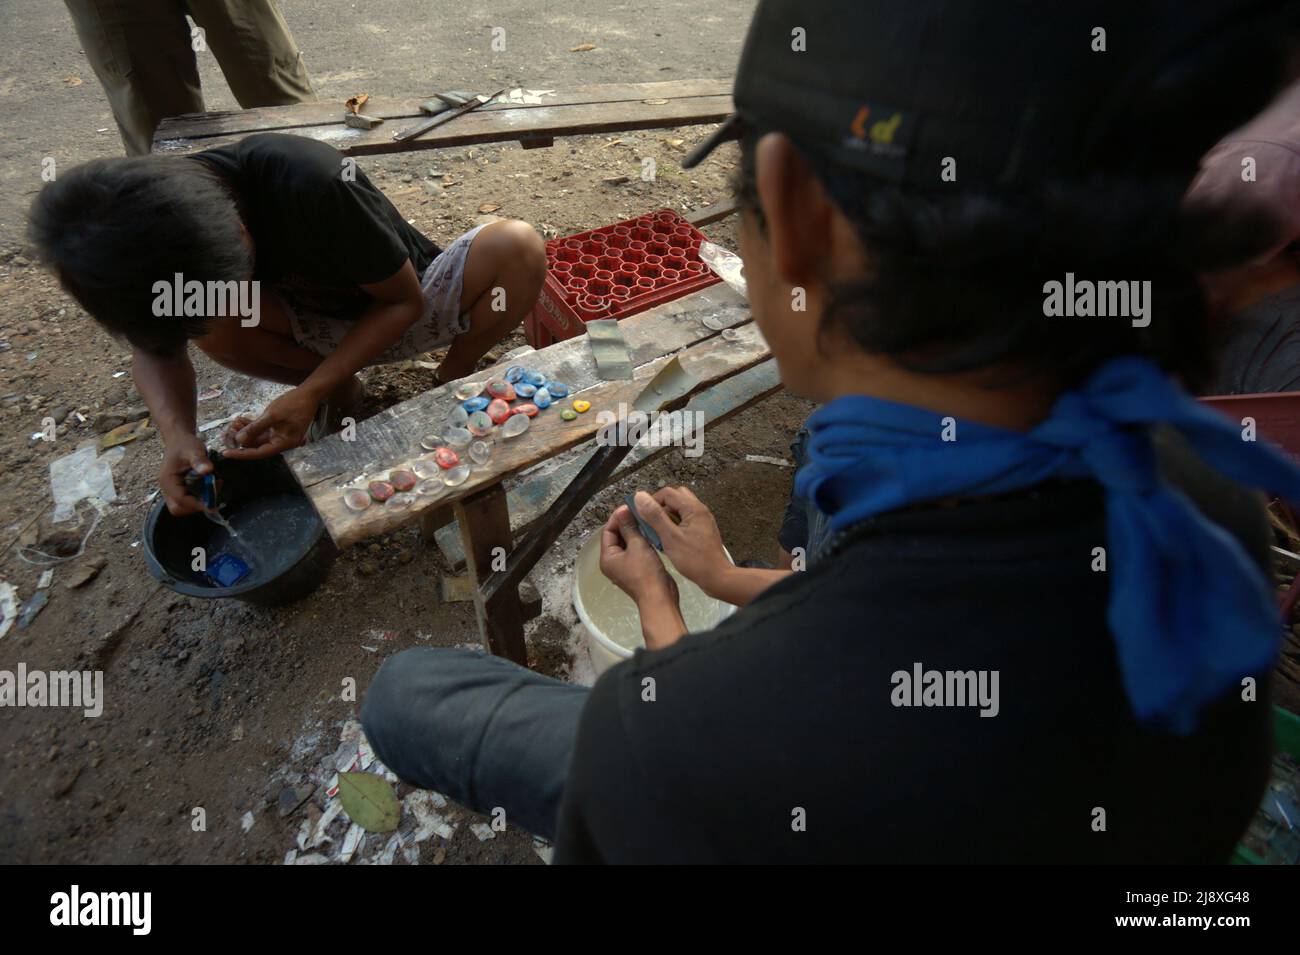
1272, 140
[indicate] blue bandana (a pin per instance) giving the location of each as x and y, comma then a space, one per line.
1190, 611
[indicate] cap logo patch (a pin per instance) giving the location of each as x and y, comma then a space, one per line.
886, 135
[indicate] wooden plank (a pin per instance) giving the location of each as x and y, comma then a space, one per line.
394, 433
535, 494
267, 119
709, 362
490, 125
485, 527
713, 213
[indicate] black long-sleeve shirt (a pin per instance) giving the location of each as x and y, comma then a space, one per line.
774, 738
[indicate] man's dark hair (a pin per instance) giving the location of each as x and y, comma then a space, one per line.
956, 278
111, 228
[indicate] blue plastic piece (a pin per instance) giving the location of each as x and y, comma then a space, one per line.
476, 404
226, 570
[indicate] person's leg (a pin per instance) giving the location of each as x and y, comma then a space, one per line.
504, 271
478, 729
141, 52
257, 53
268, 350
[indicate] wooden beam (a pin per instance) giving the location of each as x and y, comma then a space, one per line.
713, 213
534, 495
709, 362
391, 439
485, 527
580, 111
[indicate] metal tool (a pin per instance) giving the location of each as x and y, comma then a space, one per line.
438, 119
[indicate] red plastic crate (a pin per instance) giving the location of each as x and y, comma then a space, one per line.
616, 271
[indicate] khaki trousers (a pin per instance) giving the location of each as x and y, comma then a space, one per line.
145, 58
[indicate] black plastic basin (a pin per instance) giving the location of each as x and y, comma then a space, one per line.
279, 535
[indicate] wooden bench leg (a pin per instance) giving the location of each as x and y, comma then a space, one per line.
484, 526
433, 521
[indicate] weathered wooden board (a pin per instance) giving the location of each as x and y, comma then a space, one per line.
536, 492
579, 111
709, 361
392, 437
393, 433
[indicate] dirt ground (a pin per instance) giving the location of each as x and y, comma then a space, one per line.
223, 706
228, 707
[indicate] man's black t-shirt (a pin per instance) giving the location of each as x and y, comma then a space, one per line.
775, 738
320, 228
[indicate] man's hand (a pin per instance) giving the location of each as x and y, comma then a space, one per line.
627, 559
183, 455
692, 542
283, 425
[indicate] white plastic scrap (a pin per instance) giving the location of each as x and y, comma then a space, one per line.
727, 265
424, 807
8, 606
350, 842
247, 821
483, 831
80, 475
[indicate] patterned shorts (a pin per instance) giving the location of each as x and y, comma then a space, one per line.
441, 321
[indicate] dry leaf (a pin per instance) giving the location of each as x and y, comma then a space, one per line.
582, 48
612, 142
488, 207
355, 103
369, 801
72, 80
127, 432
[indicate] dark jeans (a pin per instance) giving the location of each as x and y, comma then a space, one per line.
478, 729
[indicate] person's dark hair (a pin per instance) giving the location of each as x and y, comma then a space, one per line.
956, 279
111, 228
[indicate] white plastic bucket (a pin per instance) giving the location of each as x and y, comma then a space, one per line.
609, 616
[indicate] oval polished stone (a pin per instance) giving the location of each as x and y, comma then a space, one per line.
431, 487
525, 390
402, 480
517, 425
501, 389
515, 374
480, 452
534, 378
558, 389
458, 439
498, 411
456, 475
527, 409
568, 414
432, 442
356, 499
458, 417
479, 424
468, 389
581, 406
476, 404
446, 458
425, 467
542, 398
380, 490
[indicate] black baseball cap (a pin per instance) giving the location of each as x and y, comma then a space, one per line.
1013, 91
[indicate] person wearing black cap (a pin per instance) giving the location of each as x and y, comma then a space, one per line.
1042, 627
